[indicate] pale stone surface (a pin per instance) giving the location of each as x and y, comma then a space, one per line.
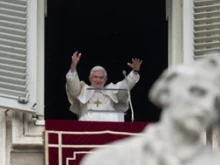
2, 137
190, 99
27, 158
25, 152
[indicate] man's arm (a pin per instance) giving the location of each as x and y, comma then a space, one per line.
131, 79
72, 78
73, 83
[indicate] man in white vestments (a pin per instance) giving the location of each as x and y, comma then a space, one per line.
97, 102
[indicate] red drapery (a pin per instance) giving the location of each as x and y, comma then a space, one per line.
66, 142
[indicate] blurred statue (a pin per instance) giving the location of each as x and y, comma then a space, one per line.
190, 98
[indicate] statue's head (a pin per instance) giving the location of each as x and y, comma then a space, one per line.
190, 94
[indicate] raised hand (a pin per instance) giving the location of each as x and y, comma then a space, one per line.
135, 64
75, 59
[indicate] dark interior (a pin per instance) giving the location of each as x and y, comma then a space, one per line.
108, 33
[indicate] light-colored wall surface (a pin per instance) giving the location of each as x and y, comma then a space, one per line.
13, 149
27, 158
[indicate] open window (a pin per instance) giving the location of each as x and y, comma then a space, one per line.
107, 34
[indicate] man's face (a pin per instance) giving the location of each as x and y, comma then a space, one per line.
98, 79
195, 104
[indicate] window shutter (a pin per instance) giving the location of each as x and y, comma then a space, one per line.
206, 26
13, 53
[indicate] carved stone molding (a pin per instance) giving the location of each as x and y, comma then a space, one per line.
25, 132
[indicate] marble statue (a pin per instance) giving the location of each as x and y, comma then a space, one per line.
190, 98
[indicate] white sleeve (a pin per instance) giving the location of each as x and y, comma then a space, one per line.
70, 74
73, 83
131, 79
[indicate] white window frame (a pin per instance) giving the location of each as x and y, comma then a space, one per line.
180, 31
174, 17
188, 43
41, 56
35, 50
32, 50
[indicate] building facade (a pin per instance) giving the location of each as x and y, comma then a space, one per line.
193, 28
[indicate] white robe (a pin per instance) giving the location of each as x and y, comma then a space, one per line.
83, 101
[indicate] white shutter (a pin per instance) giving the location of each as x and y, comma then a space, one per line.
13, 48
17, 86
206, 26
